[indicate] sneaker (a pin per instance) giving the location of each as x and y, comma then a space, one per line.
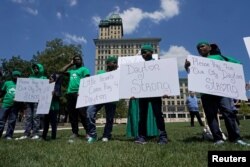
22, 138
35, 137
140, 140
219, 142
73, 136
241, 142
163, 140
105, 139
91, 140
8, 138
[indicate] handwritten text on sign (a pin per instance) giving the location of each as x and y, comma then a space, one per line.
98, 89
216, 77
45, 99
149, 79
133, 59
29, 89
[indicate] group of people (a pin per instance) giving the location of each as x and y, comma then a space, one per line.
145, 116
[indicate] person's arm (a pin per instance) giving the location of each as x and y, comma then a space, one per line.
66, 67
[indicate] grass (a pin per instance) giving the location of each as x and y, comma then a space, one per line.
186, 148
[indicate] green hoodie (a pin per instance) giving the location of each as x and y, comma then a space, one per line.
40, 74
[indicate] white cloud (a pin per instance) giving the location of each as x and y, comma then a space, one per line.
69, 38
72, 2
31, 11
178, 52
131, 19
23, 1
59, 15
96, 20
133, 16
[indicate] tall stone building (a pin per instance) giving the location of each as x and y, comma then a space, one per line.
111, 42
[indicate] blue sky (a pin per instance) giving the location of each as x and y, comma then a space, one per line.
26, 25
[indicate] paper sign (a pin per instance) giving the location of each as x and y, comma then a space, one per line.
102, 88
133, 59
29, 89
216, 77
149, 79
247, 43
45, 99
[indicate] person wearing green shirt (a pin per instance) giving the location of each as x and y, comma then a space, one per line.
9, 108
51, 117
110, 109
75, 71
212, 103
32, 120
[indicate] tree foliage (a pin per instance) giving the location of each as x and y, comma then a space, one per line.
244, 108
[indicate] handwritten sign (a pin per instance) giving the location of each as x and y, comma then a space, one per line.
216, 77
133, 59
29, 89
149, 79
102, 88
247, 43
45, 99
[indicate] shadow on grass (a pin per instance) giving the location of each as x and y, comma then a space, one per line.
192, 139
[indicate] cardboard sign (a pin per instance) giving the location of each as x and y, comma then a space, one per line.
216, 77
45, 99
30, 89
247, 43
149, 79
102, 88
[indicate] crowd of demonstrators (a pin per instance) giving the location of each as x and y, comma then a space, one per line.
76, 71
110, 109
212, 103
193, 108
146, 111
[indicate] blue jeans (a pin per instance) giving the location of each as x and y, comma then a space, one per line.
32, 121
9, 114
211, 105
110, 109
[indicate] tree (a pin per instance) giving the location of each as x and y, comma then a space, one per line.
244, 108
121, 109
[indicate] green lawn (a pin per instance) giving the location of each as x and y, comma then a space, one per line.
186, 148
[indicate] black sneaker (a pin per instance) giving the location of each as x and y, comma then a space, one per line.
140, 140
163, 140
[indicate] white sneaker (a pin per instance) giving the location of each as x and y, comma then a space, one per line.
8, 138
105, 139
22, 138
219, 142
241, 142
35, 137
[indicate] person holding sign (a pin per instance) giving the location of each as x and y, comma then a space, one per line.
9, 108
156, 102
32, 121
193, 108
54, 108
212, 104
76, 73
110, 109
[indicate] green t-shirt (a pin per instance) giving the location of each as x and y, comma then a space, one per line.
75, 75
223, 58
10, 88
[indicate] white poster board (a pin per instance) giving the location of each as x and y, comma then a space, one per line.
247, 43
29, 89
98, 89
149, 79
133, 59
45, 99
216, 77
